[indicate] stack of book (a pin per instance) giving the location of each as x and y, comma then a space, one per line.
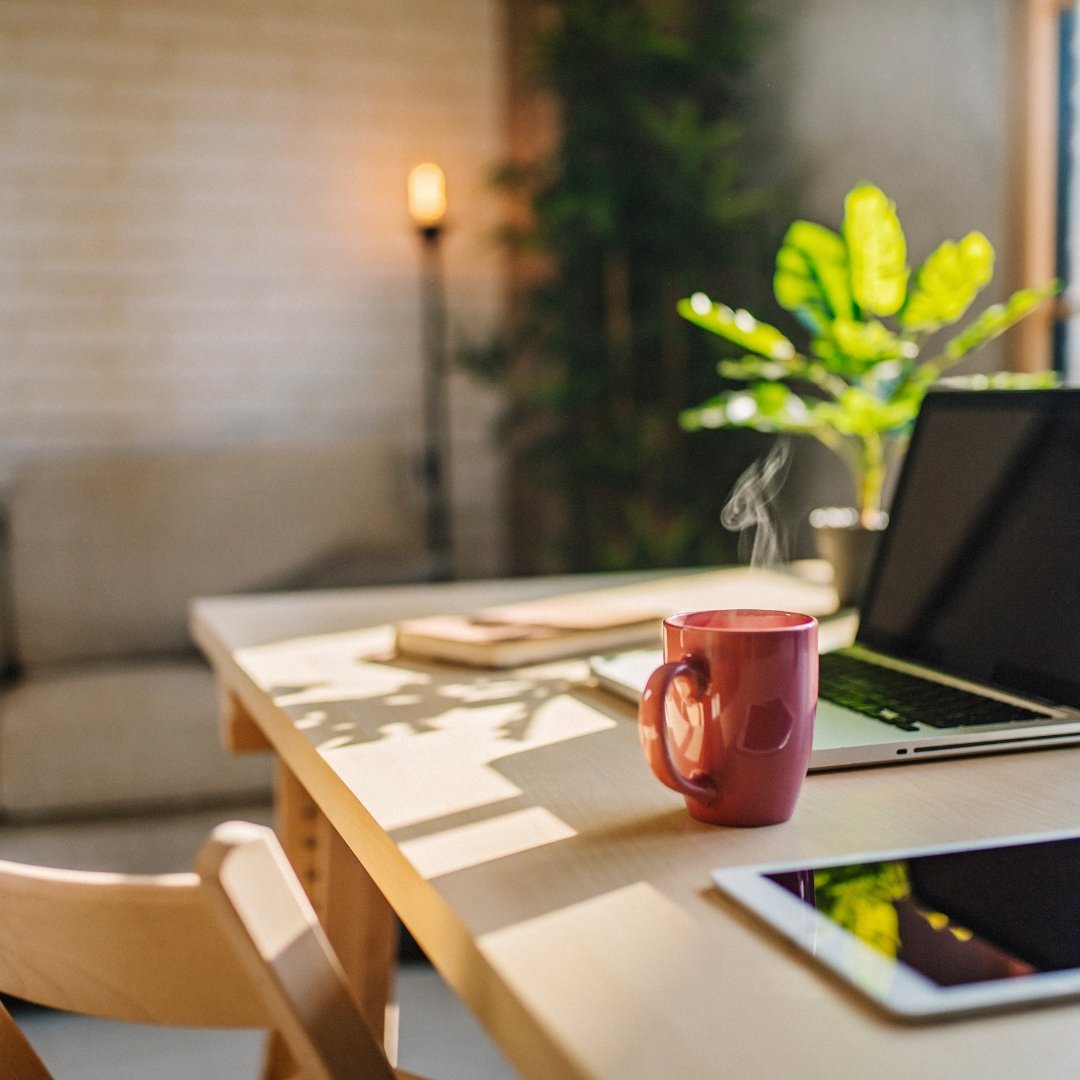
601, 620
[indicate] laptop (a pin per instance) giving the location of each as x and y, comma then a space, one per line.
969, 634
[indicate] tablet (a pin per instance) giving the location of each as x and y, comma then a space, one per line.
933, 932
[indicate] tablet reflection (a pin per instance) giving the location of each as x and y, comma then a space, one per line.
878, 903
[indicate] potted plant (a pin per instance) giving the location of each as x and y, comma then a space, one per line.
870, 320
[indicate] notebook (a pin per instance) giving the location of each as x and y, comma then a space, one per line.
974, 591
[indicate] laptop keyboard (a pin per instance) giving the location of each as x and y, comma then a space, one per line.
900, 699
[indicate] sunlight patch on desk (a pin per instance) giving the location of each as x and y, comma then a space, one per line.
487, 688
638, 946
484, 841
403, 699
313, 718
561, 718
364, 683
335, 742
349, 664
401, 790
452, 765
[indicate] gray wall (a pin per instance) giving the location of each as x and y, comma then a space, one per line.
912, 96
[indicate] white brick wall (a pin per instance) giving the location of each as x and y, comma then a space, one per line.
203, 232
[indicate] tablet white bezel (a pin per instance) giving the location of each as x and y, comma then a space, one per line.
898, 989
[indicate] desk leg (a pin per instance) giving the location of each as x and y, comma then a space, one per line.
239, 732
360, 923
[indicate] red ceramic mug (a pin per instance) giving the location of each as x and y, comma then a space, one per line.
728, 718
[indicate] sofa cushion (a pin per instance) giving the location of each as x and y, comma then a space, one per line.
107, 553
110, 737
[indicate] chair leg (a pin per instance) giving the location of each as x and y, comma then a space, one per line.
19, 1059
277, 1061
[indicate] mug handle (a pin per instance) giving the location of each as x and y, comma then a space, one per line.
652, 727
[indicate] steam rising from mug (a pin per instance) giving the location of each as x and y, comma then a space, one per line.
748, 506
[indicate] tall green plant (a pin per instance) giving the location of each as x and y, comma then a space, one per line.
859, 385
640, 200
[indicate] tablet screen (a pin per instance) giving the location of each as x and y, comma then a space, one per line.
977, 917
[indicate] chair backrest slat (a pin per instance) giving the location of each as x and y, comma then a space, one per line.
143, 950
233, 944
286, 953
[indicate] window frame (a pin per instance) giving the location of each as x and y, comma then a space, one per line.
1034, 187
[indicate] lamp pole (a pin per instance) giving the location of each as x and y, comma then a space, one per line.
427, 205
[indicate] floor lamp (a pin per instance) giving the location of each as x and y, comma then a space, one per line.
427, 207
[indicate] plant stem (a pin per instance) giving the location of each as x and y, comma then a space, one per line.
873, 479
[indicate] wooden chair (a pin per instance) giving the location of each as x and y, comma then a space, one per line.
233, 944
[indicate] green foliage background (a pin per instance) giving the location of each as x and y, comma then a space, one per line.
643, 199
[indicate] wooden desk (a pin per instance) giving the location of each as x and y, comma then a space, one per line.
564, 894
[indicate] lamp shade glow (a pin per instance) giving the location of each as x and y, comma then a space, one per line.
427, 195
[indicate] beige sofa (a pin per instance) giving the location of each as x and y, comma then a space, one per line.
105, 705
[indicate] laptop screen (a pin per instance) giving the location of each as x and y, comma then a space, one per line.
978, 573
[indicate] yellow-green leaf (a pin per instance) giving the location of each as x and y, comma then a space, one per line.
812, 277
947, 282
867, 343
739, 327
877, 250
997, 319
769, 407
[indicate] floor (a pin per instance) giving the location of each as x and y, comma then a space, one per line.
438, 1036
